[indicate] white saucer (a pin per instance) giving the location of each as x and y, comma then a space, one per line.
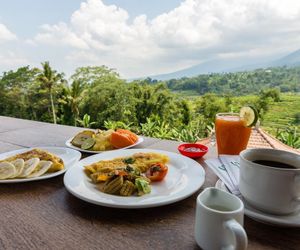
290, 220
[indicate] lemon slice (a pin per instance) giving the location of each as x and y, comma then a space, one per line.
88, 143
29, 166
40, 169
6, 170
19, 165
250, 115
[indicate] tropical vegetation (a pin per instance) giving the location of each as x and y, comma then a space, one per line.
178, 109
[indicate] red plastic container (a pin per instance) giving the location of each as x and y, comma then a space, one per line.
193, 150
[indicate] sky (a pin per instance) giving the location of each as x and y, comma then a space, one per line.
141, 37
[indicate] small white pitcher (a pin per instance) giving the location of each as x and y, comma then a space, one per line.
219, 221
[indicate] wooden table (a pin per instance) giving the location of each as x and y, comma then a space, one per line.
43, 215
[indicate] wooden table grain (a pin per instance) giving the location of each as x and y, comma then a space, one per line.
43, 215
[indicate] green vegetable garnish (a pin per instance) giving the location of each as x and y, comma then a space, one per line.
142, 186
132, 170
128, 160
129, 168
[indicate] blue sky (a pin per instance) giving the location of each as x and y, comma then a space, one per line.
151, 8
143, 37
24, 17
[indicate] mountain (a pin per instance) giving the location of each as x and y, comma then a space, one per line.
232, 65
292, 59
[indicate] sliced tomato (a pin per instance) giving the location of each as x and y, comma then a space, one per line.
157, 172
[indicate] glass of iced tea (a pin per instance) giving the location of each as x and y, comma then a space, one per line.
232, 133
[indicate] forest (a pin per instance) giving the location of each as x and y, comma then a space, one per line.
97, 97
285, 79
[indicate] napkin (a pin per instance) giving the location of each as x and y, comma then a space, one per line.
227, 168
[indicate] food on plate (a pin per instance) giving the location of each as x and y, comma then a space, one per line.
40, 169
80, 138
127, 176
101, 140
6, 170
157, 171
123, 138
19, 166
33, 163
43, 155
29, 166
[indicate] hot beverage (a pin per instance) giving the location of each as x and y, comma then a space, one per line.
270, 179
274, 164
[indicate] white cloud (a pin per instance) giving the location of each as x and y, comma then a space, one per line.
60, 34
194, 31
6, 34
9, 60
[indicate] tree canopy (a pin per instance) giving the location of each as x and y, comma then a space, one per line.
98, 97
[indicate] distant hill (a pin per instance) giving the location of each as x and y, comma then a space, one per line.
231, 65
292, 59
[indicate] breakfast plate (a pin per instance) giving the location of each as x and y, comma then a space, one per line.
185, 176
69, 157
289, 220
69, 144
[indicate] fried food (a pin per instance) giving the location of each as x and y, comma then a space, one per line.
140, 161
43, 155
124, 175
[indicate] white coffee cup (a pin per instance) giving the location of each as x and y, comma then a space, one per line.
219, 221
270, 189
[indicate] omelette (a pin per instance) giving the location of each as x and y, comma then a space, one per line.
43, 155
140, 161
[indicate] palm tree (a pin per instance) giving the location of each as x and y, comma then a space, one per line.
74, 96
49, 79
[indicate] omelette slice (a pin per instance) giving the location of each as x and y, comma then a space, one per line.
43, 155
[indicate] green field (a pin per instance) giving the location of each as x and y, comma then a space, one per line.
282, 114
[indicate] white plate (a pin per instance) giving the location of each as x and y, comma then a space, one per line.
69, 157
69, 144
290, 220
185, 176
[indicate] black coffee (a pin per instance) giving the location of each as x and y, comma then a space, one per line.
274, 164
